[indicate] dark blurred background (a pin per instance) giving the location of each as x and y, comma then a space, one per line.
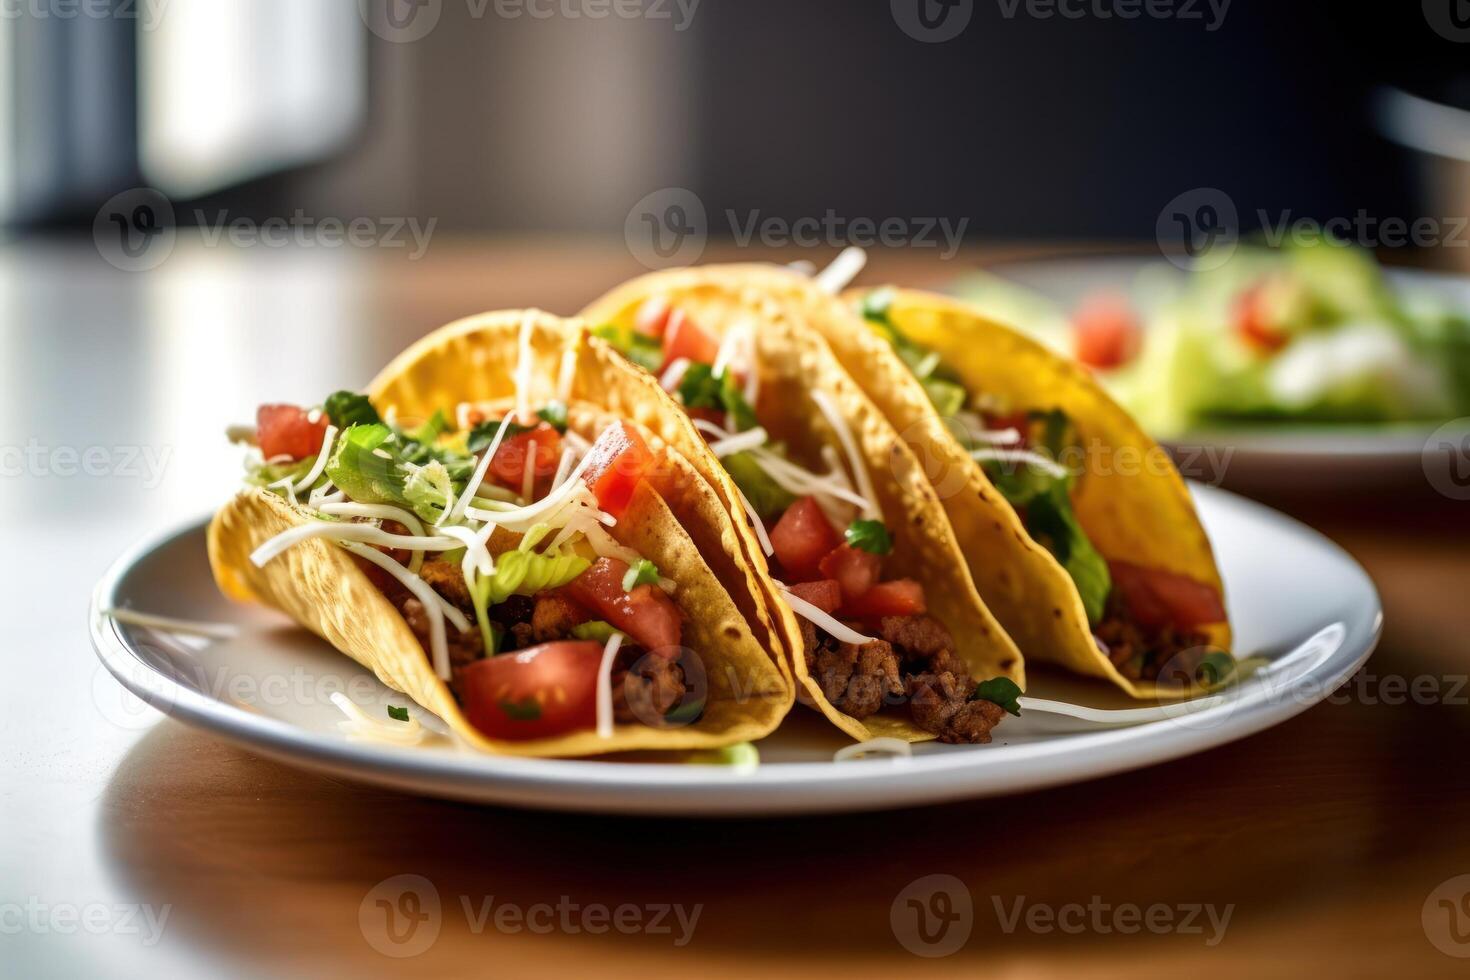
510, 116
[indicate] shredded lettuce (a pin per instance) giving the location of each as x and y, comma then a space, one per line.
766, 496
644, 351
641, 572
594, 630
527, 573
266, 474
372, 465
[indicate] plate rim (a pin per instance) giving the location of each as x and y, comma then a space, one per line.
781, 788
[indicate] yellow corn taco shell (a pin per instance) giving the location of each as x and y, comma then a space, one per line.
674, 520
793, 363
1131, 501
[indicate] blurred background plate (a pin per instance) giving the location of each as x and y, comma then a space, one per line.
1271, 457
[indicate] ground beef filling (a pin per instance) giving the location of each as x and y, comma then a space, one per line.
912, 661
644, 688
1165, 655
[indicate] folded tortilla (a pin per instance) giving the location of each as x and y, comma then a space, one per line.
793, 363
674, 519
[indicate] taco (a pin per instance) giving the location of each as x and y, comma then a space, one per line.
527, 558
1080, 533
886, 633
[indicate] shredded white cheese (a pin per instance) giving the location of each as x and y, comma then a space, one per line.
521, 518
741, 441
756, 522
849, 446
431, 601
1043, 463
343, 531
1118, 716
604, 686
673, 374
565, 375
806, 610
564, 467
362, 727
321, 462
528, 474
472, 488
843, 270
384, 512
187, 627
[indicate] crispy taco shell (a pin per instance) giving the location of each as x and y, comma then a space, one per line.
793, 363
674, 519
1130, 500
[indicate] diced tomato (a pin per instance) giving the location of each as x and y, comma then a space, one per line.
543, 690
824, 593
684, 338
802, 538
1107, 334
652, 318
1253, 321
1155, 597
713, 415
900, 597
287, 430
854, 569
645, 614
508, 466
619, 459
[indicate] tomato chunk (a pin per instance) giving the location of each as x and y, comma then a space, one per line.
900, 597
652, 318
1253, 321
1107, 333
287, 430
684, 338
1155, 597
619, 459
855, 570
543, 690
648, 616
508, 466
824, 593
802, 538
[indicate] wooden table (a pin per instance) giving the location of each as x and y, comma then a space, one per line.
1324, 837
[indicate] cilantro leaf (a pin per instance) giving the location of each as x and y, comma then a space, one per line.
554, 415
699, 388
742, 416
528, 709
999, 690
397, 713
641, 572
871, 536
482, 435
346, 408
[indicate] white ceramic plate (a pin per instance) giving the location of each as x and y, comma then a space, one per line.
1277, 456
1294, 598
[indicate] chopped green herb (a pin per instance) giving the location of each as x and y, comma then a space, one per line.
875, 306
742, 416
999, 690
528, 709
482, 435
869, 536
554, 415
397, 713
1052, 522
641, 572
346, 408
